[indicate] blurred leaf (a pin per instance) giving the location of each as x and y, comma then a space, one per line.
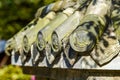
15, 14
13, 73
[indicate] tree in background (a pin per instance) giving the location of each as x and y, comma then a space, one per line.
15, 14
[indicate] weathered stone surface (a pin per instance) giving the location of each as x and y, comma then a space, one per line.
89, 44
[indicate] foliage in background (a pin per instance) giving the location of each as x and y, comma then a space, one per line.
13, 73
15, 14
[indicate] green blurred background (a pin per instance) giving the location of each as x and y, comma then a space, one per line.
14, 15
